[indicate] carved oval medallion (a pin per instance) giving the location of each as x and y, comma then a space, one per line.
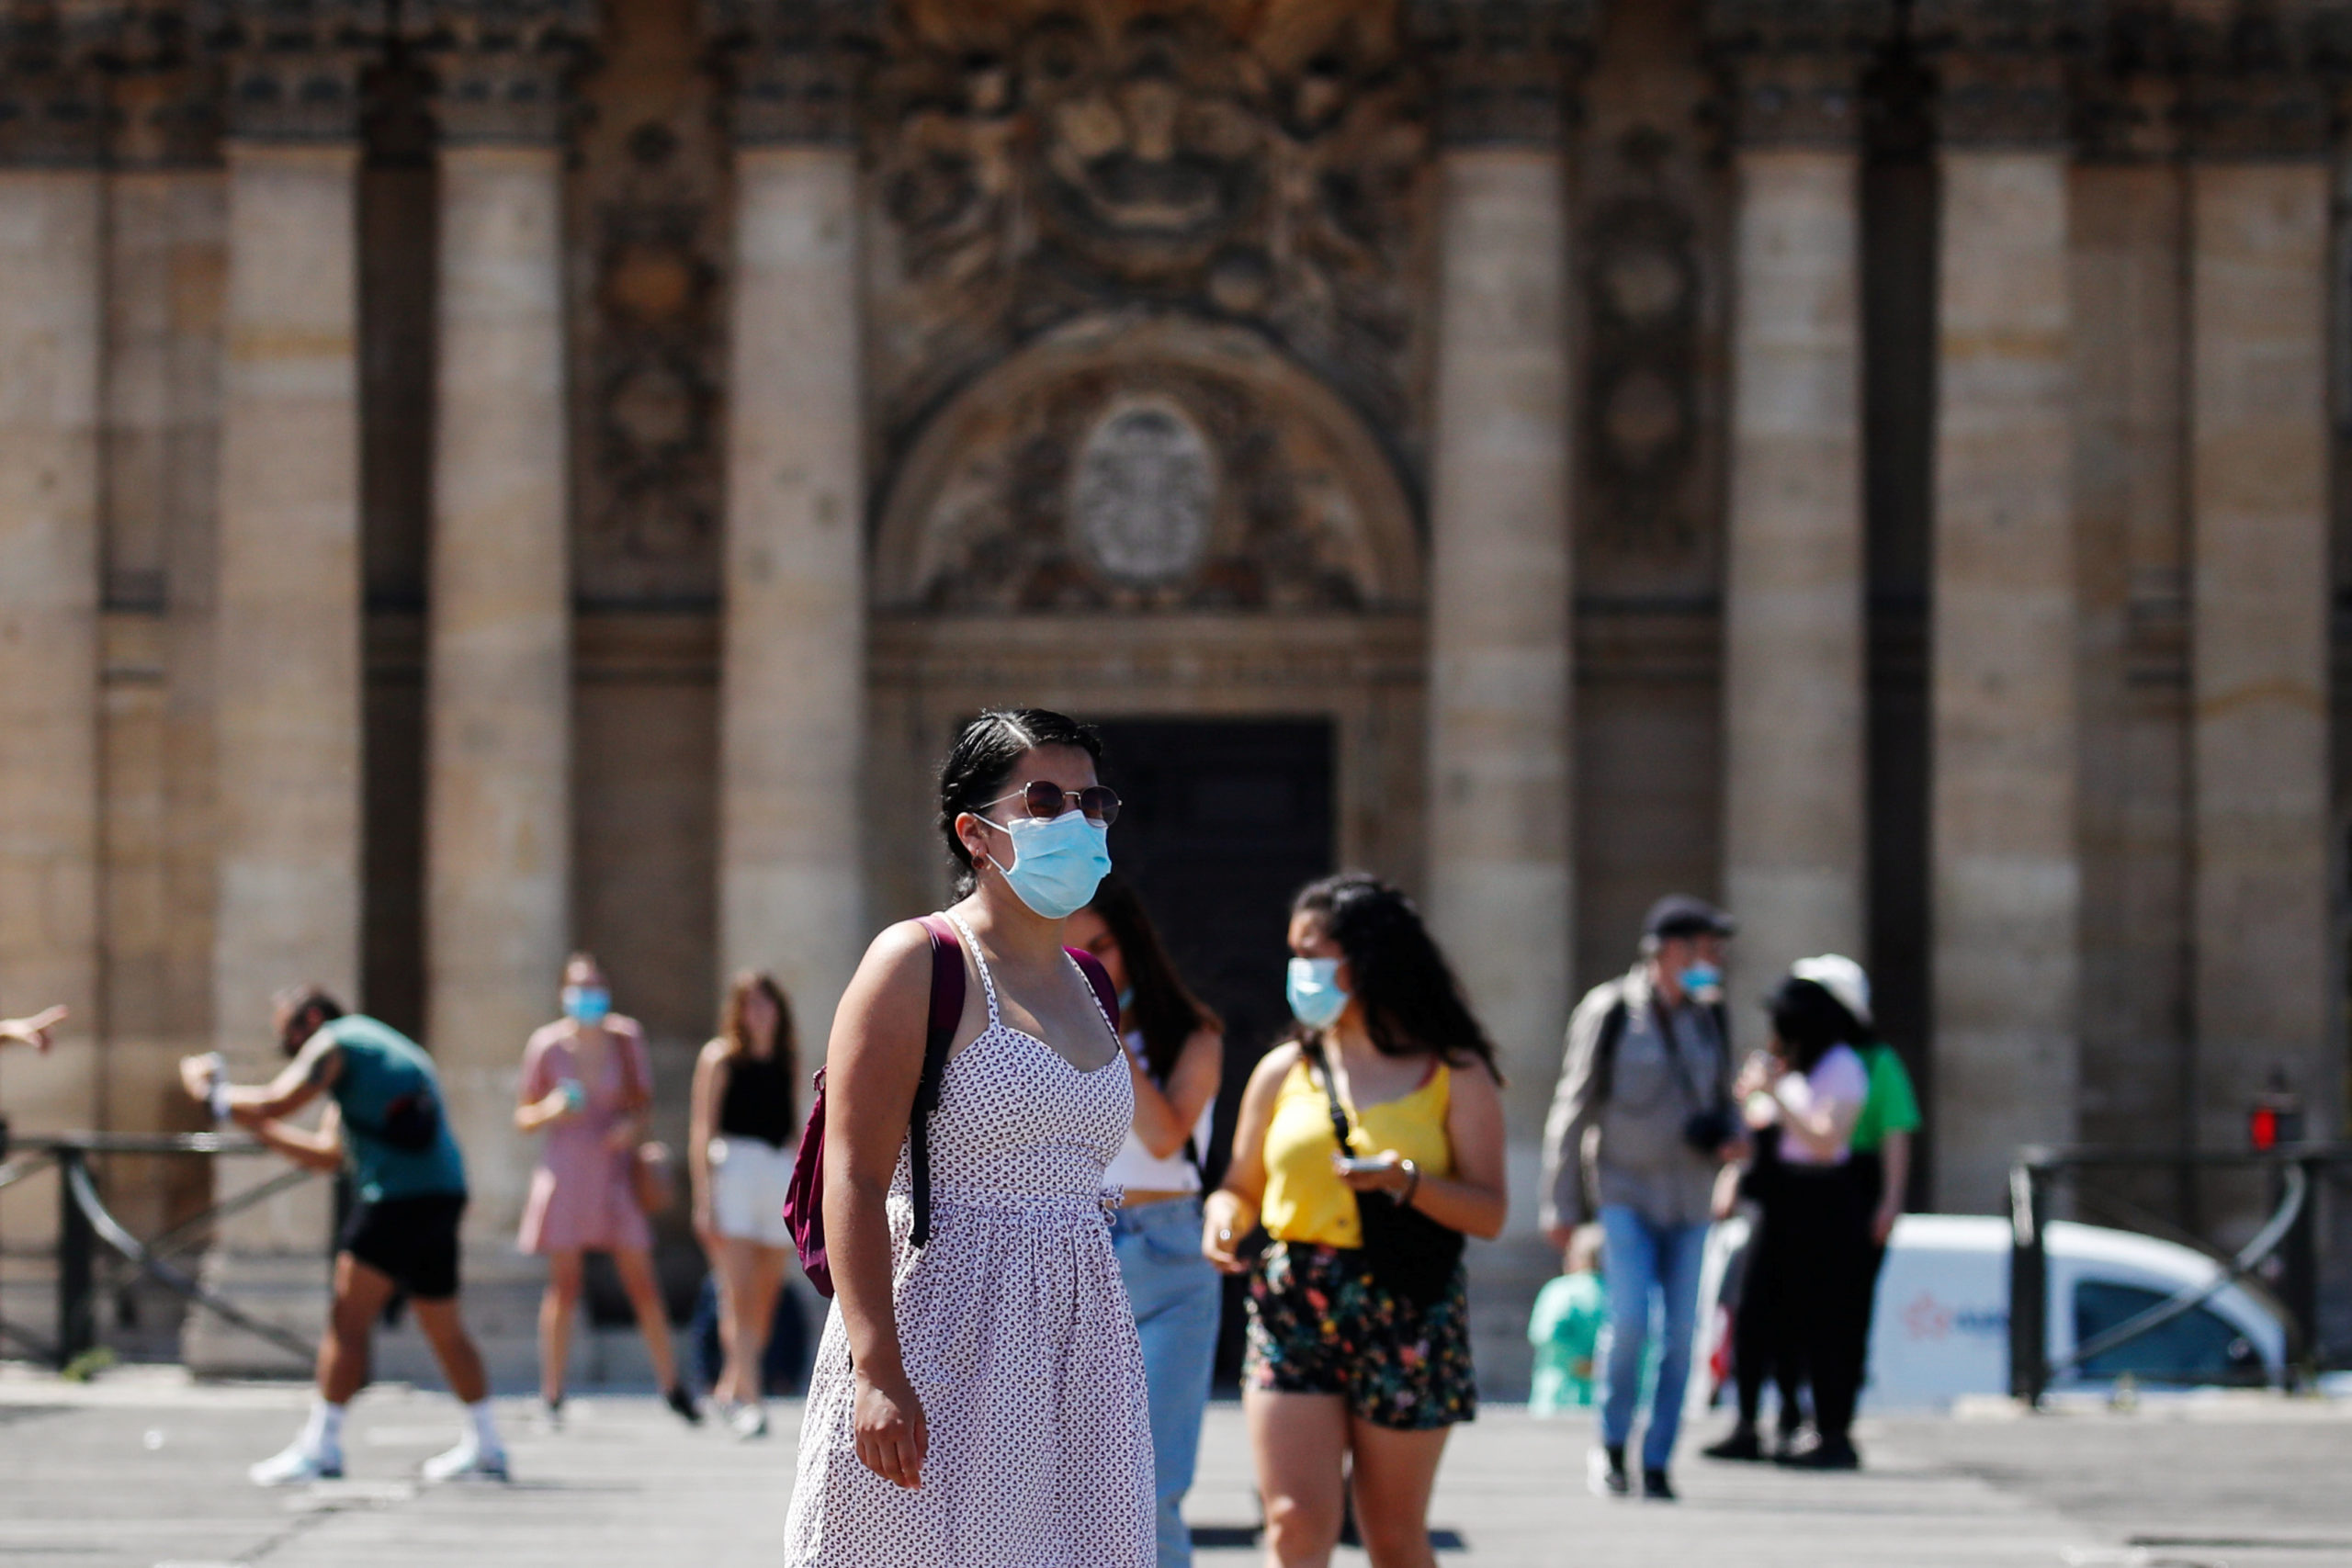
1142, 492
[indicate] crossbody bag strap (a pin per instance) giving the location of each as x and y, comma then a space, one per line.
1341, 1128
946, 1012
1700, 1098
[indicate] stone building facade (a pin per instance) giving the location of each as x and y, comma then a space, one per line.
478, 480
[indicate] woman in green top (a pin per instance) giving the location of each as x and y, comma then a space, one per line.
1880, 1166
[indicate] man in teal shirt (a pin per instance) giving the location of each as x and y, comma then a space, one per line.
386, 1127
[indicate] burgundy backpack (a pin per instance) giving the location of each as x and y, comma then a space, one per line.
804, 1200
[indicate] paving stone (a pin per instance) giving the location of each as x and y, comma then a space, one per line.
144, 1469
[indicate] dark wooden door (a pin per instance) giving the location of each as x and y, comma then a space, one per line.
1224, 821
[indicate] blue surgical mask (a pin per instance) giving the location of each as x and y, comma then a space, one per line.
1700, 980
587, 1004
1127, 998
1057, 865
1317, 998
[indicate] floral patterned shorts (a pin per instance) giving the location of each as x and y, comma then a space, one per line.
1320, 1323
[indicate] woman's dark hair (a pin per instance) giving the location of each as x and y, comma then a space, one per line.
1411, 1001
1809, 1022
737, 1034
1166, 1012
980, 765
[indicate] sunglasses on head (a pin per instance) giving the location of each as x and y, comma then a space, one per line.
1045, 799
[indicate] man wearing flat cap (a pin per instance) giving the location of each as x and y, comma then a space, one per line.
1640, 1125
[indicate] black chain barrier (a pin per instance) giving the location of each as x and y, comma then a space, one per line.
85, 1221
2287, 1239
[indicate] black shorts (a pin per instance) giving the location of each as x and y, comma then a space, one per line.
415, 1240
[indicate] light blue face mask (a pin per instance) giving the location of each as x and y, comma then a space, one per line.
1701, 980
1317, 998
1057, 865
587, 1004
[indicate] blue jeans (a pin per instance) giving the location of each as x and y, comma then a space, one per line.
1641, 1258
1177, 1298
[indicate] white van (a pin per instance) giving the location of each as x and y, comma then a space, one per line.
1942, 1328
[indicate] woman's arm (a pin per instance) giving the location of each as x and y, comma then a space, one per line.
1894, 1159
1819, 1124
1476, 1198
1231, 1211
702, 1121
1165, 1118
539, 1103
873, 1064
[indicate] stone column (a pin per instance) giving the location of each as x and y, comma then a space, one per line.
51, 342
791, 879
498, 817
2260, 591
1794, 797
1500, 881
2002, 692
288, 674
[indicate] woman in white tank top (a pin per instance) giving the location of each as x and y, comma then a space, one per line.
1175, 1053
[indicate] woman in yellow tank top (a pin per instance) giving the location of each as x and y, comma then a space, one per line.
1358, 1343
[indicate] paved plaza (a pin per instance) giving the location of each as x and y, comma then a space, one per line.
143, 1469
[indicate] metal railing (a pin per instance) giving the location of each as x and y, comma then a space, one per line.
85, 1224
2279, 1263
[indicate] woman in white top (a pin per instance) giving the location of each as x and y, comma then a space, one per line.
1175, 1053
1812, 1245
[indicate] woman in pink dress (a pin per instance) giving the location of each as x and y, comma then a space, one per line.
588, 1083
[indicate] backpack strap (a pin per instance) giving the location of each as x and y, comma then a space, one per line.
1604, 1051
1106, 995
946, 1012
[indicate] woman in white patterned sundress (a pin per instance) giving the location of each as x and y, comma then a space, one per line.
980, 1404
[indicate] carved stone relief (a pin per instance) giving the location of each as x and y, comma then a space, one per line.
1141, 499
1652, 196
1032, 166
1147, 464
650, 217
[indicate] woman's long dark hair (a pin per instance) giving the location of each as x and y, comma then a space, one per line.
1411, 1001
980, 765
1165, 1009
1809, 1022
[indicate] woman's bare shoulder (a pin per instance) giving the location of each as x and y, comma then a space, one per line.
1275, 1066
897, 962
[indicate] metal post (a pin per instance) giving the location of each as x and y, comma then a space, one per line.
2028, 1286
77, 1316
2299, 1276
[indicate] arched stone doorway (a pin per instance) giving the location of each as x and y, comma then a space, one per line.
1148, 516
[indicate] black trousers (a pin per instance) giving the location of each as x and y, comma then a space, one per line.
1806, 1297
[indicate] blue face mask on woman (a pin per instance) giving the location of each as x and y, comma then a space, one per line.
1057, 865
1317, 998
587, 1004
1701, 980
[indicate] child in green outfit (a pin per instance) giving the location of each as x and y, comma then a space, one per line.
1570, 1312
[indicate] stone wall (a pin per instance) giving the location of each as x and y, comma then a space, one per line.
910, 357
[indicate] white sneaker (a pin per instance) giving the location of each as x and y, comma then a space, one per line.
295, 1465
748, 1421
468, 1461
548, 1418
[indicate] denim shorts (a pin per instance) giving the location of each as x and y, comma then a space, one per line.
1320, 1323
